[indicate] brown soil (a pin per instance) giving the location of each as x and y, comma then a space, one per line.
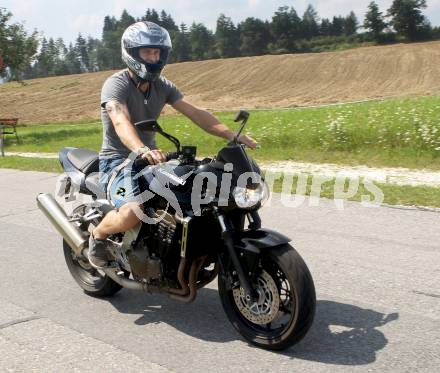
248, 82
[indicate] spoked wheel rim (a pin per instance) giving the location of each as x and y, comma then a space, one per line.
275, 310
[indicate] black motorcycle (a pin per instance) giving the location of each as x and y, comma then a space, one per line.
200, 221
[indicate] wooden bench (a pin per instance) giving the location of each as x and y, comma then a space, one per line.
8, 126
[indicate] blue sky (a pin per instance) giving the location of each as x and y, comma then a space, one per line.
67, 18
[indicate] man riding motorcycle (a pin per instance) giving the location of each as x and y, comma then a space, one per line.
132, 95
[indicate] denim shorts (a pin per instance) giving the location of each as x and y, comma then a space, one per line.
125, 187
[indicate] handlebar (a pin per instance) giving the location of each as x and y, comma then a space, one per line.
171, 155
142, 162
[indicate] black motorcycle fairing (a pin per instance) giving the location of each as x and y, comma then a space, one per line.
250, 244
215, 167
259, 239
235, 154
162, 177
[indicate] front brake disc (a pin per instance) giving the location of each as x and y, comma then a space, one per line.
266, 308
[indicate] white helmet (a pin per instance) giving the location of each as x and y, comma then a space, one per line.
149, 35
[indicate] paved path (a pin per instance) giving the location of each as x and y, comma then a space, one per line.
376, 271
389, 175
33, 155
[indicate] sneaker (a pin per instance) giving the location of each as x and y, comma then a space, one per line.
99, 256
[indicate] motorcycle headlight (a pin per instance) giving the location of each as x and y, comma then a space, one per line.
247, 198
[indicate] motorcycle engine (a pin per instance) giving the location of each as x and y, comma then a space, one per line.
149, 259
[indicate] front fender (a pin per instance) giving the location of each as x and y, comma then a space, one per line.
259, 239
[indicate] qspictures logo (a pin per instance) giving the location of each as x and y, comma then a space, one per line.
207, 187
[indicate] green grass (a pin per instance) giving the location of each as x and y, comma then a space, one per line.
30, 164
51, 138
396, 132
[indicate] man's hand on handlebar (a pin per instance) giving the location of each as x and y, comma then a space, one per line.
154, 156
248, 141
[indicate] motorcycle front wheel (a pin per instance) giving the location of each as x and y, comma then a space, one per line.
286, 301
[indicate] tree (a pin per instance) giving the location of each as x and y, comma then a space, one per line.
92, 52
109, 51
44, 63
51, 59
72, 61
125, 20
407, 18
254, 37
286, 29
61, 67
82, 53
54, 56
151, 16
4, 18
167, 22
309, 24
350, 24
326, 27
61, 47
182, 46
16, 46
227, 37
374, 21
337, 26
2, 63
202, 41
435, 32
110, 24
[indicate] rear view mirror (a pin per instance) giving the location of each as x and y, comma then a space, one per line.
152, 125
241, 115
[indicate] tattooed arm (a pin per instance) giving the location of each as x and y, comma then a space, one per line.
120, 118
126, 131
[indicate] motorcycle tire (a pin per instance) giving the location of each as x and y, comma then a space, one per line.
92, 281
286, 306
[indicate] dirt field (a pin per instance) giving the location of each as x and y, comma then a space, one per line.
250, 82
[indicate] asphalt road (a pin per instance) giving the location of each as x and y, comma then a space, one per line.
376, 271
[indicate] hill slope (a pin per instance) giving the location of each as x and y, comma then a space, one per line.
249, 82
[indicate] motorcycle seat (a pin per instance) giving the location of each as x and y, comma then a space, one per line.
84, 160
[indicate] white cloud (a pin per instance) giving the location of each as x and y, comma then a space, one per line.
253, 4
85, 22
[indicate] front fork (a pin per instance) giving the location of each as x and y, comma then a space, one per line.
251, 294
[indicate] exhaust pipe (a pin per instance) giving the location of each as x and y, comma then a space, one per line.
56, 215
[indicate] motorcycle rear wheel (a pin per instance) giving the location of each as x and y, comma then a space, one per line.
91, 280
286, 306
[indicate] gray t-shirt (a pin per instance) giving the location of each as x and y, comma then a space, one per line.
121, 88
